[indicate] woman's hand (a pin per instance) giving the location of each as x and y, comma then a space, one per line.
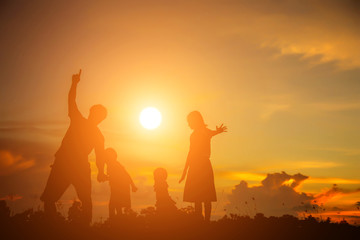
182, 177
221, 129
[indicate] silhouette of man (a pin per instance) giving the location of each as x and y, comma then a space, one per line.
71, 164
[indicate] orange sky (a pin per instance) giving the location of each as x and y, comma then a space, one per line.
284, 78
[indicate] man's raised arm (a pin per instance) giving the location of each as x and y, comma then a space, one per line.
72, 107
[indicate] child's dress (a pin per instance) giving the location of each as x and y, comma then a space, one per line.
164, 203
119, 181
199, 185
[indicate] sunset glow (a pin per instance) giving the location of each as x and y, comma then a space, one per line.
283, 76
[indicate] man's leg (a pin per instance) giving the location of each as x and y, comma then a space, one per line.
111, 209
56, 185
82, 183
50, 208
120, 210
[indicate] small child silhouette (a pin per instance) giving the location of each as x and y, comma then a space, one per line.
74, 213
164, 203
120, 182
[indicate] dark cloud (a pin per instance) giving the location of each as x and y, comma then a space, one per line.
323, 197
17, 155
11, 197
277, 180
11, 163
24, 170
275, 197
47, 128
40, 151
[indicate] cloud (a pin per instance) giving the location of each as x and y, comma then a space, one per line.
345, 151
248, 176
295, 165
11, 163
271, 109
258, 177
333, 180
333, 192
277, 180
339, 215
316, 164
335, 107
12, 197
24, 169
48, 128
276, 196
315, 31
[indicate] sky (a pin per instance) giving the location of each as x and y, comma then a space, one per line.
283, 76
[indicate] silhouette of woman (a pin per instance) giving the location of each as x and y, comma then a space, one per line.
199, 185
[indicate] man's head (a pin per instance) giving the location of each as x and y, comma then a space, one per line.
97, 114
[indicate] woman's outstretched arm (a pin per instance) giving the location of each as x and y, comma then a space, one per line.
219, 130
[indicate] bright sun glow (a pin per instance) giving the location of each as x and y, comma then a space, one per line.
150, 118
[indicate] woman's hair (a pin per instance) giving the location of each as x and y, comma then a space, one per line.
195, 120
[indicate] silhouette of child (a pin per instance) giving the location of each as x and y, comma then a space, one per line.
199, 185
74, 213
164, 203
120, 182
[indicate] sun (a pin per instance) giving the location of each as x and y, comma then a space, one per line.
150, 118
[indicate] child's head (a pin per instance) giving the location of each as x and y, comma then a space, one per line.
160, 174
195, 120
110, 155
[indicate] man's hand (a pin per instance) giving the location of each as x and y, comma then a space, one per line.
101, 177
134, 188
76, 77
221, 129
